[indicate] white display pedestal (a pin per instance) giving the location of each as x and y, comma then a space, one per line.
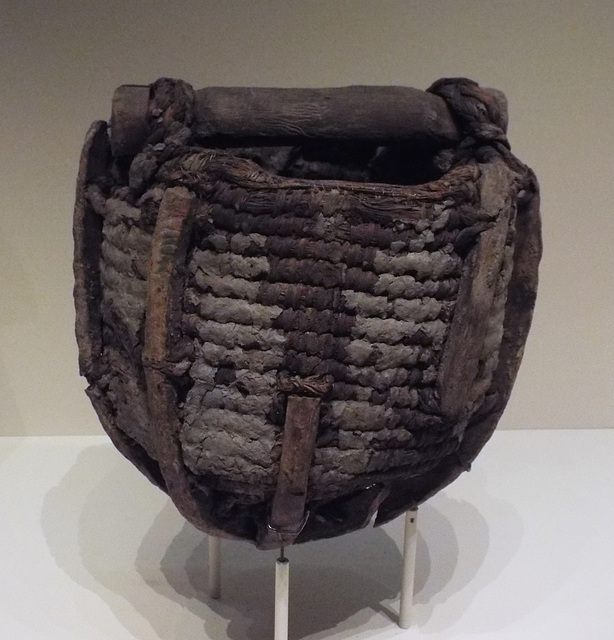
410, 540
93, 551
282, 596
215, 567
282, 585
282, 578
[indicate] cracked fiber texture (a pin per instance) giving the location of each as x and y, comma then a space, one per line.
412, 296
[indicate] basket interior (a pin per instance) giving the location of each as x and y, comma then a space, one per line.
352, 161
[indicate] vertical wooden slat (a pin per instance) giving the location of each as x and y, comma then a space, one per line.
87, 234
164, 289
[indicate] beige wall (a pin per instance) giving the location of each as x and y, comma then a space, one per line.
60, 62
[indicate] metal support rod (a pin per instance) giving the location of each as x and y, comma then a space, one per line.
409, 569
215, 561
282, 590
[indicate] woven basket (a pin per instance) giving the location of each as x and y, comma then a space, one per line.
298, 309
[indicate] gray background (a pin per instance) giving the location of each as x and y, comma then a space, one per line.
60, 62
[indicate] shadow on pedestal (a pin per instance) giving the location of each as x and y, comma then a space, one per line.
339, 587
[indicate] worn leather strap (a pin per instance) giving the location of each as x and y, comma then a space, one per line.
288, 514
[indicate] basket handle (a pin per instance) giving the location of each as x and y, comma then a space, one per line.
348, 113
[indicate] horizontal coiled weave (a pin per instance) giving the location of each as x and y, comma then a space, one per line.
219, 280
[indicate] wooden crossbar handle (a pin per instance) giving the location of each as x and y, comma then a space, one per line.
347, 113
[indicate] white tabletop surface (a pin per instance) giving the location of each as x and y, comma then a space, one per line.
521, 548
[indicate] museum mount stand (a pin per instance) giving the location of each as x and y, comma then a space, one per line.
282, 578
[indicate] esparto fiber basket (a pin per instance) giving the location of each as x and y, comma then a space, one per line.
300, 309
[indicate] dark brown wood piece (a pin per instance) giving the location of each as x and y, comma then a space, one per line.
474, 306
356, 112
87, 235
163, 306
346, 113
288, 514
129, 119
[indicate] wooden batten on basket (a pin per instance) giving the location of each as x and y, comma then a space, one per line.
298, 309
